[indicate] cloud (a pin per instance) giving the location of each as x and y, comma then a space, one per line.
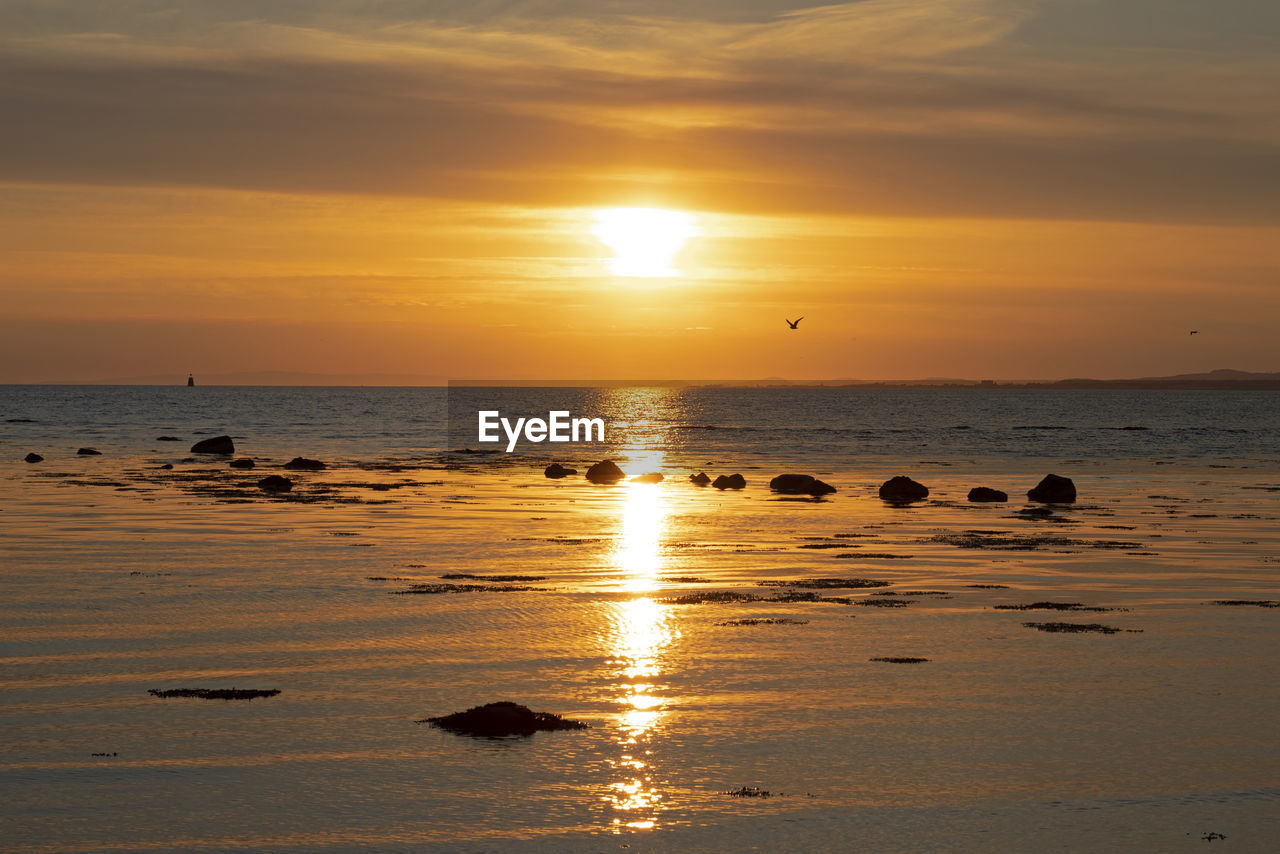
915, 107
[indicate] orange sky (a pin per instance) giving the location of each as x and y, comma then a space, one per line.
962, 188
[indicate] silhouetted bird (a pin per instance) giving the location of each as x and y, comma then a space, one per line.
794, 323
1195, 331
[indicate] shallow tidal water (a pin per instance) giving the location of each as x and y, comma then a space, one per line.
120, 578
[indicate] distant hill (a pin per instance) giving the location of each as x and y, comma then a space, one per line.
1220, 375
1222, 378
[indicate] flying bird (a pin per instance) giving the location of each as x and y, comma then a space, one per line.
1193, 331
794, 324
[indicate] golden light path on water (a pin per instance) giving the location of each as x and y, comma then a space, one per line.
640, 630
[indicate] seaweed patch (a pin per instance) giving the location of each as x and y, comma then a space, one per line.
215, 693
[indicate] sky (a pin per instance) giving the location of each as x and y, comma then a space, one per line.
942, 188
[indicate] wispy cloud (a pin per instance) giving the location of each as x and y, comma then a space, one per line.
926, 107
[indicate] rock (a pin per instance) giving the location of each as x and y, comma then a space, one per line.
605, 472
275, 483
167, 466
700, 478
800, 484
1035, 511
244, 463
167, 439
496, 720
986, 494
903, 490
1053, 490
216, 445
555, 470
651, 477
304, 464
88, 452
733, 481
34, 458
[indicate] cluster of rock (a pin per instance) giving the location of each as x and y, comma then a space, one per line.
603, 472
724, 481
1052, 489
899, 490
224, 446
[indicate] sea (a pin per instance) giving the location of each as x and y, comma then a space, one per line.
757, 671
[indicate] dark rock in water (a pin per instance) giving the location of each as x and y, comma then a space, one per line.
216, 693
88, 452
987, 494
555, 470
733, 481
1053, 490
275, 483
700, 478
245, 463
605, 471
216, 445
167, 466
903, 490
34, 458
167, 439
304, 464
651, 477
800, 484
1035, 512
497, 720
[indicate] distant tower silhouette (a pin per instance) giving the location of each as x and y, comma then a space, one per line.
191, 380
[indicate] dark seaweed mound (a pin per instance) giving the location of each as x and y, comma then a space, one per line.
215, 693
498, 720
750, 792
1077, 628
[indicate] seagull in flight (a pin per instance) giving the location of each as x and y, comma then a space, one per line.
794, 324
1193, 331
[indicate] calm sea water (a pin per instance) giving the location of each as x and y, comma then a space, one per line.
120, 577
822, 427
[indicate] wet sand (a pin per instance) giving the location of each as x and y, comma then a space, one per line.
713, 641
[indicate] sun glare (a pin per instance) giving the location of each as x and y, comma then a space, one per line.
644, 241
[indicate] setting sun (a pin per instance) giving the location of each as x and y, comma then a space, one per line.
644, 241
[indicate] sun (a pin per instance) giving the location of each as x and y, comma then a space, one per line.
644, 241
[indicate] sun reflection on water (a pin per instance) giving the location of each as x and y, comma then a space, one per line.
639, 549
640, 631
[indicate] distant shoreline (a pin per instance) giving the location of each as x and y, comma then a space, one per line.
1062, 385
1217, 380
